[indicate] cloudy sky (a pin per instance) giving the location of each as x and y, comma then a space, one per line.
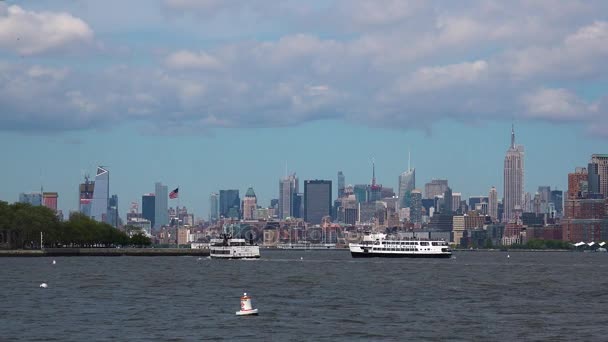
215, 94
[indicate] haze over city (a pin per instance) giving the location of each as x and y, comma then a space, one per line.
176, 91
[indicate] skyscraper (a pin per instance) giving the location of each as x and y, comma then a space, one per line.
250, 205
230, 203
544, 193
602, 170
214, 206
407, 183
288, 187
416, 206
112, 217
557, 198
341, 184
435, 188
513, 179
148, 208
85, 192
317, 200
101, 195
447, 201
34, 198
493, 205
375, 190
49, 200
161, 205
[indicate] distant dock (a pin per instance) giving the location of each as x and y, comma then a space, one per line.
49, 252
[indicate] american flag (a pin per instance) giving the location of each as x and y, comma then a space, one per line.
174, 194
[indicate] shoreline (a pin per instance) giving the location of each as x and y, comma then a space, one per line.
112, 252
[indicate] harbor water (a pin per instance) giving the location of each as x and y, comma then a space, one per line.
307, 295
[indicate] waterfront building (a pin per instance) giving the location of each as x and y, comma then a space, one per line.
214, 207
33, 198
435, 188
250, 205
288, 188
317, 200
341, 184
493, 204
230, 203
513, 179
148, 207
161, 205
577, 183
101, 195
460, 223
601, 160
85, 196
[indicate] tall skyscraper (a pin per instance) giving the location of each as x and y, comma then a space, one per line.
436, 187
416, 206
544, 198
85, 192
317, 200
493, 204
288, 188
148, 208
49, 200
557, 198
447, 201
101, 195
250, 205
161, 205
230, 203
112, 217
341, 184
456, 200
513, 179
214, 207
407, 183
601, 160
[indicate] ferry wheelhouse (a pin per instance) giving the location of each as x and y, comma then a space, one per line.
377, 245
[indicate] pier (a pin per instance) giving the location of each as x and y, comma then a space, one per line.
49, 252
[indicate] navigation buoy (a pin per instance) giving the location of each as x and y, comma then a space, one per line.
301, 258
54, 262
508, 256
44, 285
246, 308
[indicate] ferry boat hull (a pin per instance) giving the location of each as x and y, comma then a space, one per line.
397, 255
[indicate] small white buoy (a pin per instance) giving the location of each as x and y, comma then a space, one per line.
246, 308
508, 256
54, 262
44, 285
301, 258
199, 259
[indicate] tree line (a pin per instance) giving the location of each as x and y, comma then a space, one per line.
21, 225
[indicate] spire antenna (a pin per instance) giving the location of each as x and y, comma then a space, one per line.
512, 136
409, 156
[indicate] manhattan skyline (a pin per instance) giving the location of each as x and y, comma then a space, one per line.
183, 96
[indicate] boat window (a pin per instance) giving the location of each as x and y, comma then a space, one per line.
424, 243
435, 243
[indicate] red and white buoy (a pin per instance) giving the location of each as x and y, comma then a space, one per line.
246, 308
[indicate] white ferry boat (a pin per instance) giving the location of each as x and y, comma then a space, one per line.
377, 245
227, 247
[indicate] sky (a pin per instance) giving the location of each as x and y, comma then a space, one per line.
227, 94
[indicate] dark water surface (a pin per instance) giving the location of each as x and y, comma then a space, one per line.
483, 296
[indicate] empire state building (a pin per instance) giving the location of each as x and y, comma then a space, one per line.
514, 180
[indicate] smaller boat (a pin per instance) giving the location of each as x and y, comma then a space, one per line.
378, 245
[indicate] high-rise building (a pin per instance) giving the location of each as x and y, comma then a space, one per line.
407, 183
493, 204
456, 199
578, 183
148, 207
49, 200
214, 207
447, 201
288, 187
361, 192
436, 187
161, 205
544, 193
317, 200
230, 203
250, 205
297, 205
475, 200
557, 198
513, 179
341, 184
112, 217
601, 160
33, 198
85, 192
101, 195
416, 206
375, 190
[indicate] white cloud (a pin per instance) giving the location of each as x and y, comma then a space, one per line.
29, 32
556, 104
191, 60
434, 78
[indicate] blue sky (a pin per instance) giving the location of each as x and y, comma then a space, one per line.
213, 94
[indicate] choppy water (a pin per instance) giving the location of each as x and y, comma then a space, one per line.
558, 296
